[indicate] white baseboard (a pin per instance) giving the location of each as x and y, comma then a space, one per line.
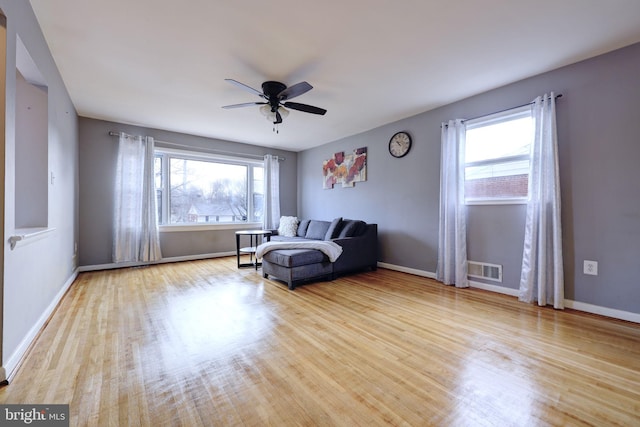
402, 269
13, 362
576, 305
603, 311
114, 265
494, 288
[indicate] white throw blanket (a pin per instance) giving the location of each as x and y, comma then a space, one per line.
331, 249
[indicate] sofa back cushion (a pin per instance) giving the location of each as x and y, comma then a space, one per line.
352, 228
317, 230
334, 229
302, 227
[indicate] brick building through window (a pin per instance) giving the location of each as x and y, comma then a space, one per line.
498, 187
498, 157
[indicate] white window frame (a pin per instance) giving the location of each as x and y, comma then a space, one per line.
493, 119
167, 153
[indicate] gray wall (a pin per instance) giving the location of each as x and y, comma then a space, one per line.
98, 153
32, 154
36, 274
599, 149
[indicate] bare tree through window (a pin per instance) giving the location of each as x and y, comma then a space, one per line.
194, 190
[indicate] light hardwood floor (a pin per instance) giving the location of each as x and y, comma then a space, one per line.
203, 343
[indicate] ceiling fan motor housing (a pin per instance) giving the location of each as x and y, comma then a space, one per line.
272, 89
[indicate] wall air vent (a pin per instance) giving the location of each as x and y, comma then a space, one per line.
483, 270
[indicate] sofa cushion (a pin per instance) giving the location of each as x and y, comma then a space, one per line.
288, 226
334, 229
317, 229
295, 257
302, 227
352, 228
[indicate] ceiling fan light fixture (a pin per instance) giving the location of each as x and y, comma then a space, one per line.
283, 112
271, 115
266, 110
267, 113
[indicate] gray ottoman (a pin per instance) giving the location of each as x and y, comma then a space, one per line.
296, 265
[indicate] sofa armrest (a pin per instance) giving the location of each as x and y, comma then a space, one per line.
358, 252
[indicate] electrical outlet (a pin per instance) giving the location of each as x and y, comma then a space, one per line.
590, 267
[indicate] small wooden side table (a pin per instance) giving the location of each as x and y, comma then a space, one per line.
254, 236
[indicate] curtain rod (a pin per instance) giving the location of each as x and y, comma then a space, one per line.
502, 111
212, 150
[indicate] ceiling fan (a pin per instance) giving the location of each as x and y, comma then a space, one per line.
276, 96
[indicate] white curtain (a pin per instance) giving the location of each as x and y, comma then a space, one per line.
542, 278
271, 214
452, 238
135, 234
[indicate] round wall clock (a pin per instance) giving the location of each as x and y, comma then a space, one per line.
400, 144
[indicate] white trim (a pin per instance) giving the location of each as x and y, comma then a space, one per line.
603, 311
209, 227
497, 201
402, 269
114, 265
505, 159
494, 288
24, 236
13, 362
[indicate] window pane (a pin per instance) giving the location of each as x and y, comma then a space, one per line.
504, 139
203, 191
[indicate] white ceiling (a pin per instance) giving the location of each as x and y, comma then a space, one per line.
162, 63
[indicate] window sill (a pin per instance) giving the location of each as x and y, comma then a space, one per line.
24, 236
208, 227
514, 201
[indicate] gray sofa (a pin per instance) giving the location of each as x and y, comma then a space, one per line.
359, 242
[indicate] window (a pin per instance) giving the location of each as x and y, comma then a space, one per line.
497, 156
195, 188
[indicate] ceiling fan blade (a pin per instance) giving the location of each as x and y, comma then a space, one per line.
304, 107
245, 87
295, 90
244, 104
